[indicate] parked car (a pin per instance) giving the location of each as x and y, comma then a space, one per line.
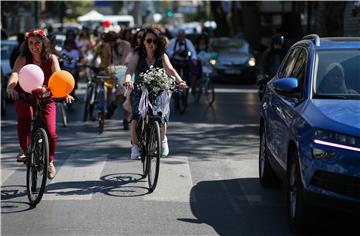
7, 47
310, 127
234, 61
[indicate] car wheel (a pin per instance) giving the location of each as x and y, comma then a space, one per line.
297, 207
267, 175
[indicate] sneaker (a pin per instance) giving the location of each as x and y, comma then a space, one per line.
164, 147
135, 153
51, 170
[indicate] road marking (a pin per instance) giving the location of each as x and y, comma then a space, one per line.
9, 166
232, 90
76, 180
175, 182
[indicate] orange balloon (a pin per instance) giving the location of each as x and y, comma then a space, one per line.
61, 83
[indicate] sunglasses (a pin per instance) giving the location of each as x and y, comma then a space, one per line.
139, 36
34, 33
149, 41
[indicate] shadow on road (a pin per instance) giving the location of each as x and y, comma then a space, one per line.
10, 192
223, 205
116, 185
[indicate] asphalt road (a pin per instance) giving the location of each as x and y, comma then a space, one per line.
207, 186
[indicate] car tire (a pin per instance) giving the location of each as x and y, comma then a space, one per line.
267, 175
298, 209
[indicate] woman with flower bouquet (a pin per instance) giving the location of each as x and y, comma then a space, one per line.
153, 72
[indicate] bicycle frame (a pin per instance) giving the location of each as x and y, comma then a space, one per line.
37, 156
144, 128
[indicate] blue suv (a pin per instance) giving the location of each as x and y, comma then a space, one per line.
310, 127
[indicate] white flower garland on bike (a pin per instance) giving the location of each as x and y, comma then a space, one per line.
156, 81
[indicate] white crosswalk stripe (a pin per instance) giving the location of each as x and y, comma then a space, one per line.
175, 181
71, 179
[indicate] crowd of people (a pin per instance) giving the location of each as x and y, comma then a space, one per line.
136, 48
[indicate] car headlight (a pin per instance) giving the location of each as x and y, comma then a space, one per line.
252, 61
213, 62
337, 140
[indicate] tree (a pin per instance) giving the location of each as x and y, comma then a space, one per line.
251, 23
219, 15
330, 18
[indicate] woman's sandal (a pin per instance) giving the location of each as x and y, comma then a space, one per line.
21, 157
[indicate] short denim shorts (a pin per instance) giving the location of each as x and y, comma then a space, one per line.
135, 100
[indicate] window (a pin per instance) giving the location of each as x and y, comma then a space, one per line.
299, 71
337, 74
289, 63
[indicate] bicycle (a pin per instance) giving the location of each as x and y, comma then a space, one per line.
37, 155
180, 96
95, 96
148, 134
100, 99
205, 86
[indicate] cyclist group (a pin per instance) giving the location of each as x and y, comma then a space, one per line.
147, 49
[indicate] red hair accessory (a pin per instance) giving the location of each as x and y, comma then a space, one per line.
38, 32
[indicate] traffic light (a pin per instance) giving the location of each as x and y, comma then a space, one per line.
170, 13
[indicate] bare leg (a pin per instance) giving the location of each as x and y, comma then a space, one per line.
163, 130
134, 139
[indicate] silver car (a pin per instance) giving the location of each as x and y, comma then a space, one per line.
234, 58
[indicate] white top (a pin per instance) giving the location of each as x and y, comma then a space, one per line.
174, 46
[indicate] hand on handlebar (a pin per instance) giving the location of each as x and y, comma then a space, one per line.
12, 94
69, 99
128, 85
183, 85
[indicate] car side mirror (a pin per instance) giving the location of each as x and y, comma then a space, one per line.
286, 86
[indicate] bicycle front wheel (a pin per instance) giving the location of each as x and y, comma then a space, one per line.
153, 152
37, 167
88, 106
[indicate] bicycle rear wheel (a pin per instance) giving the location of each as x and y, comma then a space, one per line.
210, 92
37, 167
101, 114
153, 152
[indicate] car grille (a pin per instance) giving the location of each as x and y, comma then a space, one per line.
338, 183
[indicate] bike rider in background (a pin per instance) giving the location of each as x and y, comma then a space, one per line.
271, 61
181, 52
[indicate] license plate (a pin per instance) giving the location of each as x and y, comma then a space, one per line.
233, 72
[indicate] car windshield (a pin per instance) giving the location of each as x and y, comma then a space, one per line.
230, 45
337, 74
6, 50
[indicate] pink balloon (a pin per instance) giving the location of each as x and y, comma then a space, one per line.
31, 76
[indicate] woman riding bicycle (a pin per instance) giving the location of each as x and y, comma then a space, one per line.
35, 50
151, 53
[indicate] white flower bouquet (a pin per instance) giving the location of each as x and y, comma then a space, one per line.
155, 80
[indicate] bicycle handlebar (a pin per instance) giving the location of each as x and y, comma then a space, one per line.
43, 98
